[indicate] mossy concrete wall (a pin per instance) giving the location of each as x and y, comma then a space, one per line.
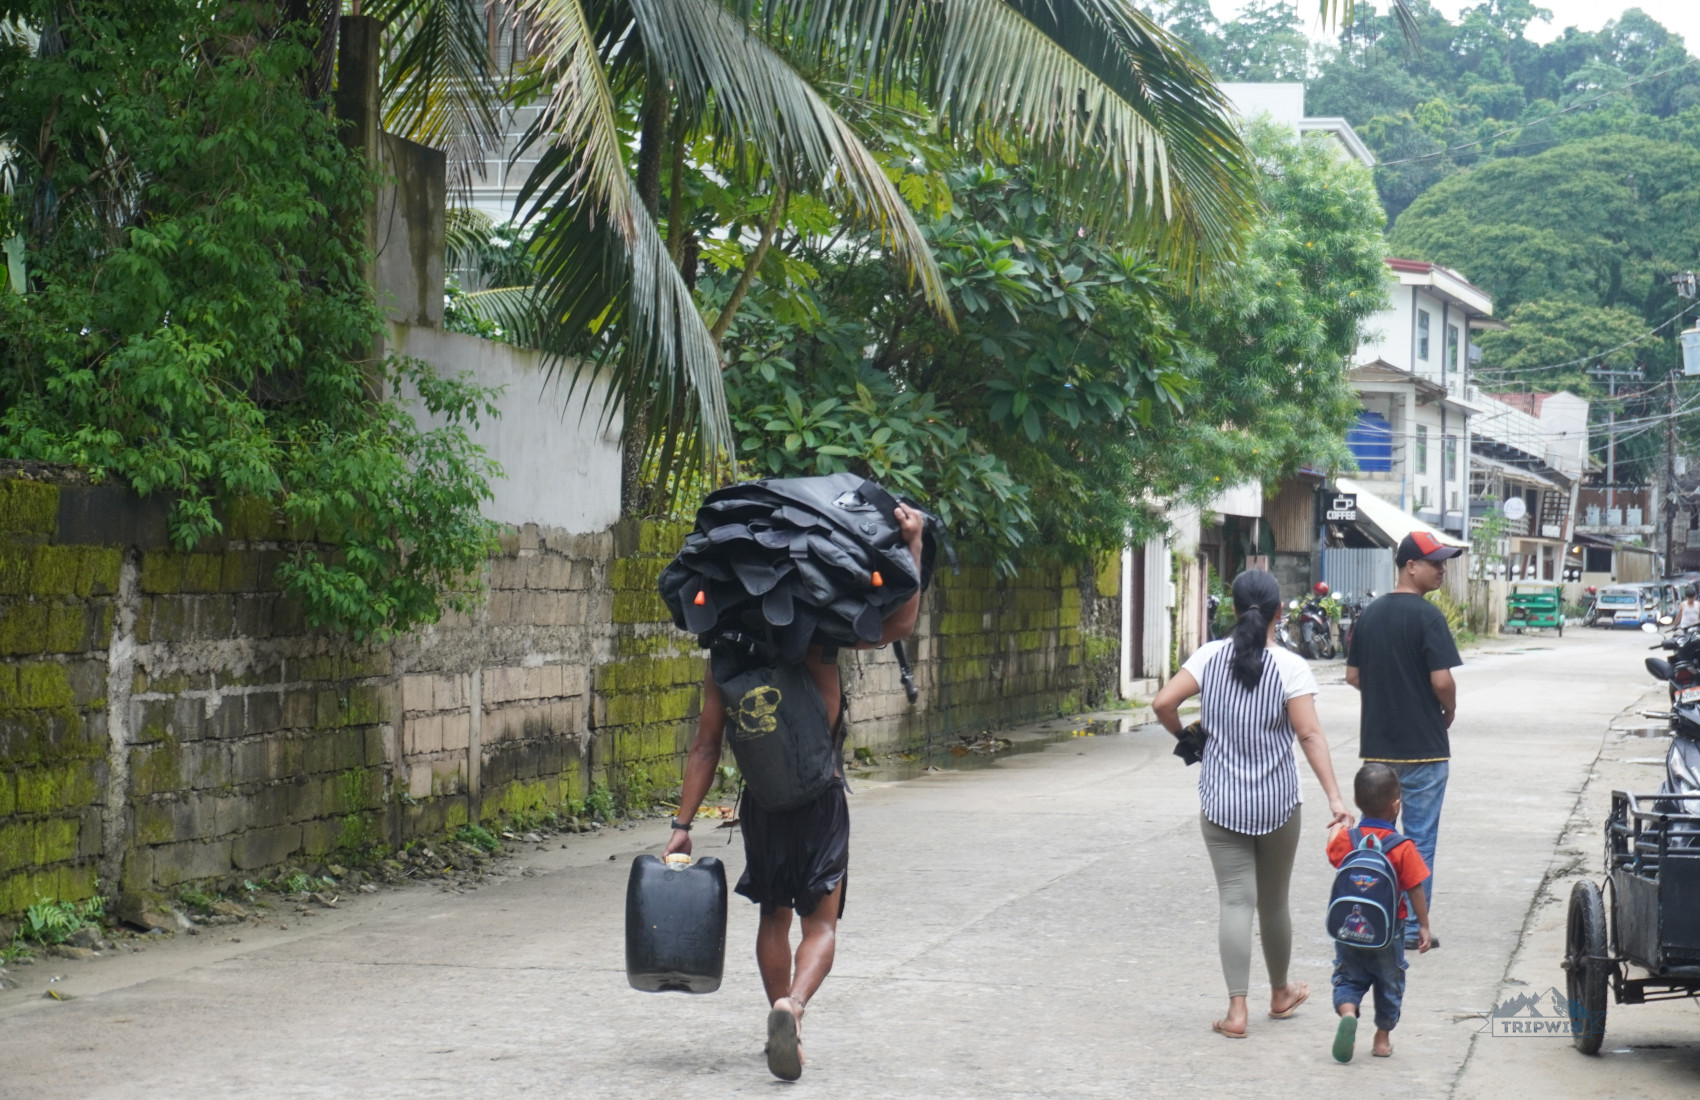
169, 716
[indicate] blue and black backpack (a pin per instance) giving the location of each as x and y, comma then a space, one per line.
1363, 907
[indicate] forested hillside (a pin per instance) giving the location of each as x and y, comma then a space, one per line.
1563, 178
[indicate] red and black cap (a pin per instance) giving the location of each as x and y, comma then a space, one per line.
1421, 544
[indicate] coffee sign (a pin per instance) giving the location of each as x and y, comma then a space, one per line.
1343, 508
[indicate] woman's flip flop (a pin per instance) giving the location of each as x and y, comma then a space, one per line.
1219, 1028
784, 1045
1294, 1007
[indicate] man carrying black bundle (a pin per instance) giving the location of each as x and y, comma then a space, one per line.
796, 858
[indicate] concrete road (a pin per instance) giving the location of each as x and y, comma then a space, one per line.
1042, 927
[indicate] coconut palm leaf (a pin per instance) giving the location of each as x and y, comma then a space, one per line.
1110, 105
439, 84
609, 296
579, 113
723, 71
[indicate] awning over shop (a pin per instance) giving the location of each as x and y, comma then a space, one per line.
1483, 462
1393, 523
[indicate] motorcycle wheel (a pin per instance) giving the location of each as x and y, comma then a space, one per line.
1327, 647
1307, 641
1586, 966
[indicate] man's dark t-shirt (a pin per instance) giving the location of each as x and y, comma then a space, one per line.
1398, 640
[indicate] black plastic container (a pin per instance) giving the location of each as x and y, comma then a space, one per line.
676, 926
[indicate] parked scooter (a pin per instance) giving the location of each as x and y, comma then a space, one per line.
1350, 609
1682, 759
1591, 606
1316, 632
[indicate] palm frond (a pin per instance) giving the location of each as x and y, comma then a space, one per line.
1104, 91
439, 85
1109, 104
513, 309
465, 231
579, 112
723, 70
1338, 13
598, 276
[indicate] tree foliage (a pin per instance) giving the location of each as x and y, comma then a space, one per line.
1081, 387
196, 323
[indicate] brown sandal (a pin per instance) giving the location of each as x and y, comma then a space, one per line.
784, 1042
1294, 1007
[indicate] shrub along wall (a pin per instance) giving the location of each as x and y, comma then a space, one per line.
168, 716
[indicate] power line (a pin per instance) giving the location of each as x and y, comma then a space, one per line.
1545, 118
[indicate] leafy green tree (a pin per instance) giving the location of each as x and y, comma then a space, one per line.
194, 321
1078, 379
1266, 41
1601, 221
1101, 93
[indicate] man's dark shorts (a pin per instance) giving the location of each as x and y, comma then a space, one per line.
795, 858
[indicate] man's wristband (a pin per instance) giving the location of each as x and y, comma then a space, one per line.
685, 825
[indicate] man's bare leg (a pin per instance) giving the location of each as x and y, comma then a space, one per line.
790, 986
773, 953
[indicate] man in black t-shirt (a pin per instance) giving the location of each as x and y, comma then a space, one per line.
1401, 660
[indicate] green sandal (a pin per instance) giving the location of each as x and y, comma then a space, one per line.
1344, 1038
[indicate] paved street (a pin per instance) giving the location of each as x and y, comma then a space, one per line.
1044, 926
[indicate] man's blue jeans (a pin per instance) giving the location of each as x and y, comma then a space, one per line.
1422, 787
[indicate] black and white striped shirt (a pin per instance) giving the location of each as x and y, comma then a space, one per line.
1249, 779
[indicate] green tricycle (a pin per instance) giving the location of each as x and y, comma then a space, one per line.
1535, 605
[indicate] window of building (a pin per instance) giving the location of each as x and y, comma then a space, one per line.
1422, 335
1452, 347
1422, 448
1449, 460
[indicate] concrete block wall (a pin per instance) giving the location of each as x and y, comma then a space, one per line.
168, 717
56, 616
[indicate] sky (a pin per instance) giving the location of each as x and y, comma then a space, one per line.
1681, 16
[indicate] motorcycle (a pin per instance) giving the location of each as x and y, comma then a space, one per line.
1591, 609
1681, 674
1316, 632
1350, 611
1284, 634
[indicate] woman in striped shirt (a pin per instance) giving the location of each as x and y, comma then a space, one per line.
1254, 699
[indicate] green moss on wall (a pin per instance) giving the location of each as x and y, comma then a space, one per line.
18, 892
28, 507
56, 787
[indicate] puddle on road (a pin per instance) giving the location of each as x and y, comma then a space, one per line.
985, 749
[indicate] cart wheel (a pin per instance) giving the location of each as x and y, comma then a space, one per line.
1585, 960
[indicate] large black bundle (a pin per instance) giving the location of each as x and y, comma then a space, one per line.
796, 560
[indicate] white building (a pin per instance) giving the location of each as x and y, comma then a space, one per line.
1164, 598
1412, 440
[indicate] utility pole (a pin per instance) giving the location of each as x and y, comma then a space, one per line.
1688, 288
1611, 377
1669, 502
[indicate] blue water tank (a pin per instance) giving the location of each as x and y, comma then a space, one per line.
1371, 442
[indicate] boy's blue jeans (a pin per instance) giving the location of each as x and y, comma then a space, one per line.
1357, 970
1422, 789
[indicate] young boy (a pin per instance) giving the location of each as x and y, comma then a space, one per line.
1357, 970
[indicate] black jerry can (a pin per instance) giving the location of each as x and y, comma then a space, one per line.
676, 926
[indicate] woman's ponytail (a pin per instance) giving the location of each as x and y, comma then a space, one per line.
1257, 600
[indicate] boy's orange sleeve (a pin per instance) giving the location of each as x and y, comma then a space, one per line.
1408, 865
1339, 844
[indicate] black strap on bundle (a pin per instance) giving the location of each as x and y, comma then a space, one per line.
904, 671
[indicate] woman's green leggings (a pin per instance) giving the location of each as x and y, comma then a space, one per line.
1252, 872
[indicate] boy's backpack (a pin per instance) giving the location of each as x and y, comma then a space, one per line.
1363, 907
775, 722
